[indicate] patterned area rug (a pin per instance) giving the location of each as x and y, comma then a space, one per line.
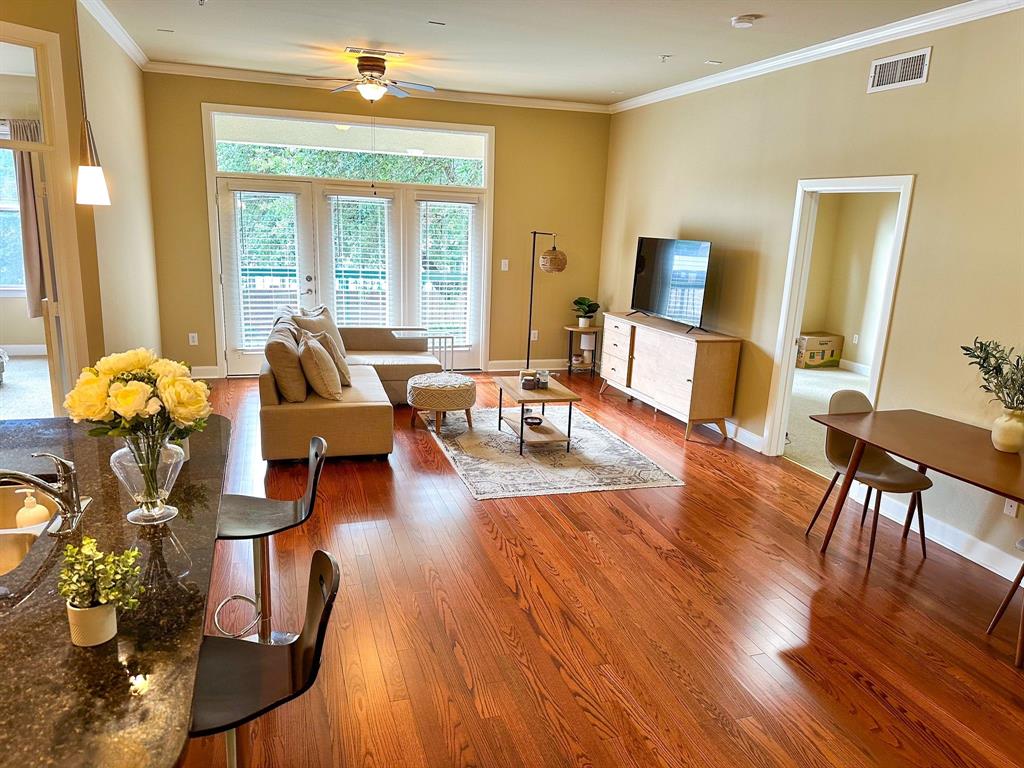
488, 460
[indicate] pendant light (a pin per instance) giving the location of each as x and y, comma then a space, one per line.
91, 186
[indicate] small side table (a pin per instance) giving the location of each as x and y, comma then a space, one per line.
591, 330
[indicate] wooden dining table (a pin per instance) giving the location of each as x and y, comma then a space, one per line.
933, 442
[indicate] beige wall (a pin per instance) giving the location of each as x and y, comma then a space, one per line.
16, 327
549, 172
59, 16
723, 165
124, 229
852, 244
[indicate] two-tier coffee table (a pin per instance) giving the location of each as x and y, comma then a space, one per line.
545, 432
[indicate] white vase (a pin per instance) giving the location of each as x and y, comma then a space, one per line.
584, 322
1008, 431
92, 626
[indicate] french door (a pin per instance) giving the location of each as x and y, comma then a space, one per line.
384, 257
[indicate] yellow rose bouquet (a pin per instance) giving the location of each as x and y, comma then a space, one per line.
150, 402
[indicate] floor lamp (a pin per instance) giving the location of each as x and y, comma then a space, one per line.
552, 260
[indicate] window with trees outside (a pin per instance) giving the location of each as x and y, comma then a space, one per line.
12, 262
383, 223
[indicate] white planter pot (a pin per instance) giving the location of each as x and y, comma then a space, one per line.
92, 626
585, 322
1008, 431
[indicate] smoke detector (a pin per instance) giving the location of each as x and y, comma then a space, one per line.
746, 21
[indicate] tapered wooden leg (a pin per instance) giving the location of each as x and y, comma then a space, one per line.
720, 423
469, 418
1006, 601
689, 429
920, 524
821, 504
910, 513
844, 491
437, 421
866, 507
874, 527
604, 386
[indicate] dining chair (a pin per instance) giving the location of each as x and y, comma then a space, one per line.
238, 681
252, 517
879, 471
1018, 660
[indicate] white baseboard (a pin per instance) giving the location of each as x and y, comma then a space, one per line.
964, 544
552, 364
849, 365
24, 350
745, 437
207, 372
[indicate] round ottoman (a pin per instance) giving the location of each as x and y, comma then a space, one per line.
440, 392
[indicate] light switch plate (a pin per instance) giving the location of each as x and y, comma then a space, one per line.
1011, 508
856, 338
193, 339
504, 265
533, 335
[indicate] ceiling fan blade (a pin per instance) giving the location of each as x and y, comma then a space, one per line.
414, 86
396, 91
350, 87
339, 79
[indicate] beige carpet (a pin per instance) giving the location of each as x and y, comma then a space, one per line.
812, 388
25, 393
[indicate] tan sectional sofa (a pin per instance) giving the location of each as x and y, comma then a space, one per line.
362, 422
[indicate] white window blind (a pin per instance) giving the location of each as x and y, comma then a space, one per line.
361, 247
446, 259
267, 253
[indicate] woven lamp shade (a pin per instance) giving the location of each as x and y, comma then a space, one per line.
553, 260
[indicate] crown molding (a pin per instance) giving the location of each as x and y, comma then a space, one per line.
99, 11
277, 78
897, 30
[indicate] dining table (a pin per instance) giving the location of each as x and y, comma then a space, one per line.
126, 702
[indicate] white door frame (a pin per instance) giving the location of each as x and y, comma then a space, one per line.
801, 241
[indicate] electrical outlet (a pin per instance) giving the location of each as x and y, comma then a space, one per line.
856, 338
193, 339
1011, 508
534, 335
504, 265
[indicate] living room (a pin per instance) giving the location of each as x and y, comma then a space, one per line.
534, 275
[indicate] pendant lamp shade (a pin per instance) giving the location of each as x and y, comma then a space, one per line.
553, 260
91, 188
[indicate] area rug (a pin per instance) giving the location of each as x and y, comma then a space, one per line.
488, 460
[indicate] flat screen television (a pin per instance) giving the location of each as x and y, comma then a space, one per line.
669, 278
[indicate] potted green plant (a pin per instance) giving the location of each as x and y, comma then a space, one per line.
95, 584
1002, 376
585, 308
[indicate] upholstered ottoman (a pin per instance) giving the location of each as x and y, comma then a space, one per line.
440, 392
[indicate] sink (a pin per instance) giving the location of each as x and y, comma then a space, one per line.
16, 542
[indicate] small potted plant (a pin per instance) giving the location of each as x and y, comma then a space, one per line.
95, 584
585, 308
1002, 376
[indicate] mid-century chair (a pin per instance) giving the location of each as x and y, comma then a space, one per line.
252, 517
1019, 658
237, 680
878, 470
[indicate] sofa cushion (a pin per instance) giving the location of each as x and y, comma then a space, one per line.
340, 363
319, 320
320, 370
282, 352
394, 365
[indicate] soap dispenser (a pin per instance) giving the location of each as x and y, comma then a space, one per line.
31, 512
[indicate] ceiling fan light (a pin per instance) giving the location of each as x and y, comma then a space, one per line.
371, 91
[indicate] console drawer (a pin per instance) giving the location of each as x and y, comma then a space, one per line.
615, 369
616, 343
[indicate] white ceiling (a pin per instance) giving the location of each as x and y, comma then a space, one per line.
595, 51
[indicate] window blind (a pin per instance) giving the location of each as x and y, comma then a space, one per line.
361, 247
446, 249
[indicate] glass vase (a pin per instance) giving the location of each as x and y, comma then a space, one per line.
147, 467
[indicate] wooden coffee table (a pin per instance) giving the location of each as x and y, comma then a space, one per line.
545, 432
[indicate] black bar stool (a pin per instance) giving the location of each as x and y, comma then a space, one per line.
238, 681
250, 517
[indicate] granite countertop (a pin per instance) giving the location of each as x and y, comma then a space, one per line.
61, 705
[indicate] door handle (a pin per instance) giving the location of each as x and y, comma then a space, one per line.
309, 278
307, 292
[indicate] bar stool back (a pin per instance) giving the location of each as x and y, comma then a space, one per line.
238, 681
252, 517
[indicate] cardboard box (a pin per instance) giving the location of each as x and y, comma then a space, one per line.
818, 349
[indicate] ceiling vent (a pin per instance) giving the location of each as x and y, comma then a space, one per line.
899, 71
372, 51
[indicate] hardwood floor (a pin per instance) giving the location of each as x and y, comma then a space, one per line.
691, 626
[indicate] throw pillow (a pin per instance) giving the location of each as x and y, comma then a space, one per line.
339, 359
282, 354
319, 320
321, 373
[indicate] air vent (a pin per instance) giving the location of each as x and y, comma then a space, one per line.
899, 71
372, 52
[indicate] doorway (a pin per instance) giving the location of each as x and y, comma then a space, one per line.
845, 250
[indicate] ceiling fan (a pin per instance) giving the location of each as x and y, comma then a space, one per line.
371, 83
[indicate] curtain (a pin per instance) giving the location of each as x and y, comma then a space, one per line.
35, 285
